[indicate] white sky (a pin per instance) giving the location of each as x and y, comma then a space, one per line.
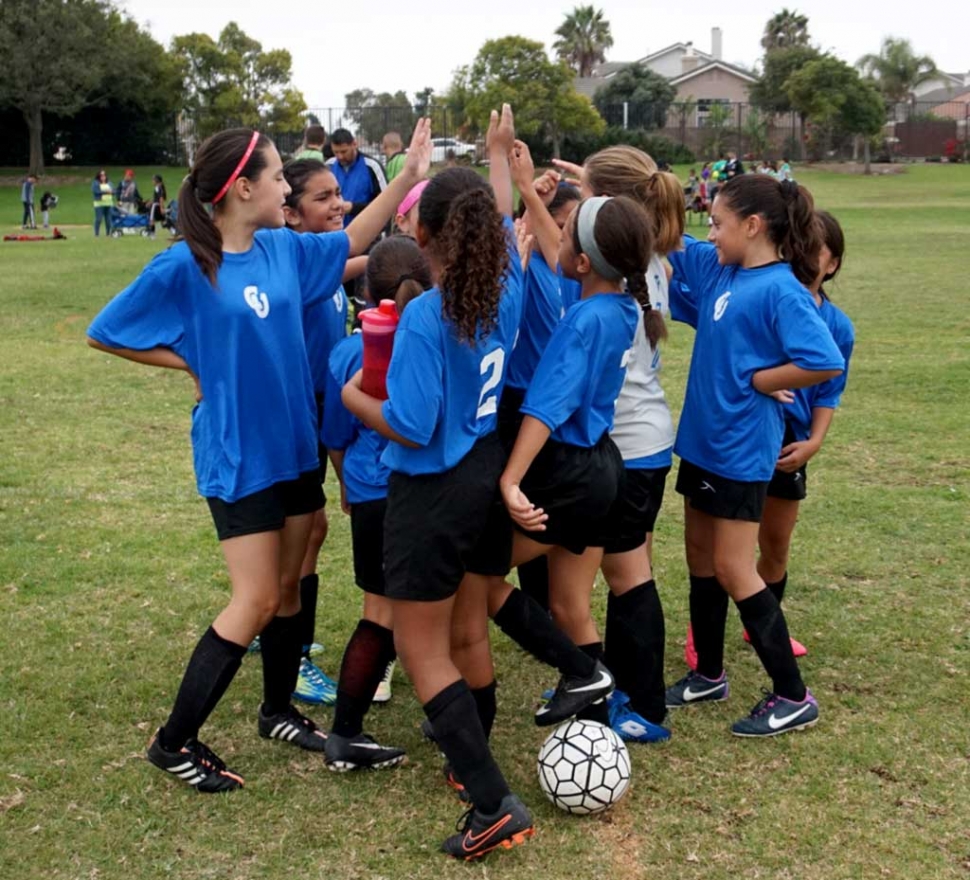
388, 45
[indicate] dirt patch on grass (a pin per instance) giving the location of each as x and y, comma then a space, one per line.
859, 167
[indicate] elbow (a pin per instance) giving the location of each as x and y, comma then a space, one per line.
99, 346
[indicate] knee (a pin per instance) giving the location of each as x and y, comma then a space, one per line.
567, 613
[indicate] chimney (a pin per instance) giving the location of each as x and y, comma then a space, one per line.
689, 60
717, 49
966, 79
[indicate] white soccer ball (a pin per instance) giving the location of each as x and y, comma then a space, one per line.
584, 767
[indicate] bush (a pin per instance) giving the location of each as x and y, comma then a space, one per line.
576, 147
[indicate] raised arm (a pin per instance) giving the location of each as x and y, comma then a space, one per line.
541, 224
498, 144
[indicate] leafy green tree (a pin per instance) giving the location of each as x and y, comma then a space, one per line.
583, 40
785, 30
232, 81
374, 114
755, 131
835, 98
640, 86
897, 70
517, 71
769, 93
717, 125
56, 54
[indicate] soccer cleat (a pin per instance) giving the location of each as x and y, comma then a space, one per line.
775, 715
631, 726
196, 765
480, 833
690, 652
797, 648
360, 752
575, 694
455, 784
695, 688
383, 692
292, 727
313, 686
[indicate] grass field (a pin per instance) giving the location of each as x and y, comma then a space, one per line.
109, 573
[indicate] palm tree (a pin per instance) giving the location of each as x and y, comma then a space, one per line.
583, 40
785, 30
897, 70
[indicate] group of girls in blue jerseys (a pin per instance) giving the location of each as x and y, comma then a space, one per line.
525, 426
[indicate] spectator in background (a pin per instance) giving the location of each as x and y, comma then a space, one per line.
48, 201
156, 208
785, 172
360, 177
393, 149
104, 200
314, 140
27, 197
733, 167
127, 196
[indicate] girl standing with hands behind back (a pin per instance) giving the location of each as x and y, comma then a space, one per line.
758, 333
226, 305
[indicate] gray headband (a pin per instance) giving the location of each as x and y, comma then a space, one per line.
585, 224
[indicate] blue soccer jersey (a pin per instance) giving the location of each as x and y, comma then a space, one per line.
542, 312
365, 476
244, 340
828, 394
443, 393
746, 320
325, 324
579, 377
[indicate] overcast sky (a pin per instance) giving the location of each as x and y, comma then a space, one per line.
348, 44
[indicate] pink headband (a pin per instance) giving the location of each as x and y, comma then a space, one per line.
411, 199
239, 167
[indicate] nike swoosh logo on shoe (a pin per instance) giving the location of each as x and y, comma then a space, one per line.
375, 746
605, 680
696, 695
470, 841
774, 722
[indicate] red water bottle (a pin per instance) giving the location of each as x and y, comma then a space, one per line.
379, 326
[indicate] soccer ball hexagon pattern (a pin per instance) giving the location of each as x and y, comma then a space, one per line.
584, 767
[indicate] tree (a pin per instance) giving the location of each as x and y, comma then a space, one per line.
785, 30
53, 60
649, 91
835, 98
517, 71
716, 123
234, 82
583, 40
897, 69
375, 114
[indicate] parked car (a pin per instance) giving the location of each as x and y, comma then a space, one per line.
462, 151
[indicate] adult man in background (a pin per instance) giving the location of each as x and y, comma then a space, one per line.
360, 177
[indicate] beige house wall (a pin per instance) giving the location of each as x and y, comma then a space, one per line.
714, 85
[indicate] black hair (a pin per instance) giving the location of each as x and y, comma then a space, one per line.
624, 236
298, 174
396, 269
341, 136
466, 234
834, 239
314, 134
789, 213
215, 162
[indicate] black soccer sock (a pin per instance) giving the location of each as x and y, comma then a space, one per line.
708, 616
523, 620
211, 668
778, 587
459, 734
281, 653
635, 637
309, 587
765, 622
534, 580
487, 706
368, 652
597, 711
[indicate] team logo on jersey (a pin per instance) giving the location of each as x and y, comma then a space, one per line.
721, 304
256, 300
338, 300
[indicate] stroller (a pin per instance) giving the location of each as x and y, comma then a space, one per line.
143, 223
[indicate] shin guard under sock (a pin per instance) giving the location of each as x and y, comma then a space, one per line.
765, 622
281, 653
708, 616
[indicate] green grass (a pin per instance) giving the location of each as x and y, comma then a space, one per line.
109, 572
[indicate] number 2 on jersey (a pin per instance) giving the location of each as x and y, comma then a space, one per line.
492, 366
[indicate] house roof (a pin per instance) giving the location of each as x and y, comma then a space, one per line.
945, 95
732, 69
675, 47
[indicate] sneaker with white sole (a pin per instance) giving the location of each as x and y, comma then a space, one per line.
292, 727
196, 765
383, 692
360, 752
573, 694
313, 686
630, 725
695, 688
775, 715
